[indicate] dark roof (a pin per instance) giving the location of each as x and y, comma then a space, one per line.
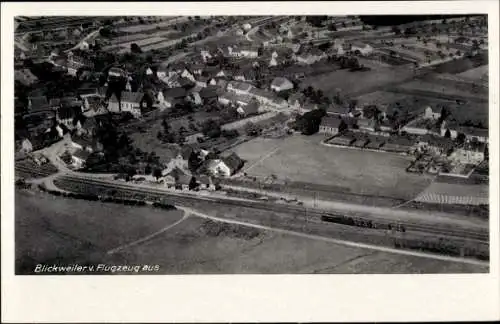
82, 141
127, 96
209, 92
39, 103
233, 161
186, 152
251, 108
331, 121
81, 154
175, 93
69, 111
204, 179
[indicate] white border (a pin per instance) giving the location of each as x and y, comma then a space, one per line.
236, 298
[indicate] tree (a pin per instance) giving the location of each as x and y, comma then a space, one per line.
396, 30
193, 184
332, 27
165, 125
342, 126
134, 48
461, 138
251, 129
157, 173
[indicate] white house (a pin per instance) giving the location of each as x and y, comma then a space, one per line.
430, 114
226, 166
78, 158
26, 146
281, 84
246, 27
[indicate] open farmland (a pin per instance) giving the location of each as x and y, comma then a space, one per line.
358, 83
147, 27
93, 229
191, 246
304, 159
479, 73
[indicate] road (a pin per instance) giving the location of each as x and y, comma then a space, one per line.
85, 39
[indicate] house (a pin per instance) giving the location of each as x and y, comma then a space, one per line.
330, 125
205, 55
26, 146
470, 153
67, 115
281, 84
248, 75
197, 69
162, 73
25, 77
195, 98
79, 158
227, 98
39, 103
430, 114
226, 166
116, 73
263, 96
309, 57
209, 94
129, 102
361, 48
239, 87
206, 182
172, 96
188, 75
202, 81
82, 143
252, 108
398, 145
437, 145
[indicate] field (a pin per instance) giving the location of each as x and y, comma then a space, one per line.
147, 27
304, 159
479, 73
358, 83
193, 246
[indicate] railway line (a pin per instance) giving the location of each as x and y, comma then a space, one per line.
448, 230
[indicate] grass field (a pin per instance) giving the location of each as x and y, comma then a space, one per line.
50, 229
304, 159
357, 82
190, 247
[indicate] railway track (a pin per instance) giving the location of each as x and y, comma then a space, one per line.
477, 234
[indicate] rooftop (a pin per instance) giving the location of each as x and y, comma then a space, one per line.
127, 96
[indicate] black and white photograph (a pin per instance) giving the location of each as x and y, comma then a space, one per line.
251, 144
190, 144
